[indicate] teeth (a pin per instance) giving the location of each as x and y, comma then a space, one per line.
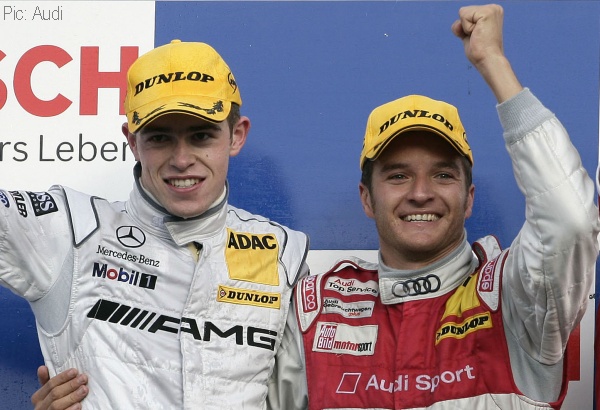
184, 183
421, 218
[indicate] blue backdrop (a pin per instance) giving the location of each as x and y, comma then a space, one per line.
310, 73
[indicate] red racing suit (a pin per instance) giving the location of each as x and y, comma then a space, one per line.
479, 329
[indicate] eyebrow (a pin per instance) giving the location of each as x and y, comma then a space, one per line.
195, 128
395, 166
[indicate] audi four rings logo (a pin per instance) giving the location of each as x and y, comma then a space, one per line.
131, 236
417, 286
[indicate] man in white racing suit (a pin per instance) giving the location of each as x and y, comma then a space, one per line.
439, 323
173, 299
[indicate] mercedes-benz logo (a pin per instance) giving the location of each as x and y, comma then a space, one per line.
131, 236
417, 286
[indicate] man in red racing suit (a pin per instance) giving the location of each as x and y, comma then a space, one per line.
438, 323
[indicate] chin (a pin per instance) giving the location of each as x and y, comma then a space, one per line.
187, 209
187, 214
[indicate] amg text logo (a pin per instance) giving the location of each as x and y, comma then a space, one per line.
152, 322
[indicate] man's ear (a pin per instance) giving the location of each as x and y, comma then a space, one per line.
366, 200
130, 140
470, 201
238, 135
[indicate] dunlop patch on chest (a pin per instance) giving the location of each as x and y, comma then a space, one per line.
248, 297
466, 327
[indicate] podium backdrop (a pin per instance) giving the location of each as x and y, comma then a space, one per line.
309, 74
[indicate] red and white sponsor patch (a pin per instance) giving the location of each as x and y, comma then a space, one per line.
351, 310
486, 276
309, 294
340, 338
352, 286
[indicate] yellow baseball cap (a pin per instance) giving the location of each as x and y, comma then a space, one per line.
410, 113
179, 77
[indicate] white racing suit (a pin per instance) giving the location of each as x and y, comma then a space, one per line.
465, 333
160, 312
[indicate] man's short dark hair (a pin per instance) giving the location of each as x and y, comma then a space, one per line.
234, 116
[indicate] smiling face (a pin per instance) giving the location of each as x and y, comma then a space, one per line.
418, 199
185, 160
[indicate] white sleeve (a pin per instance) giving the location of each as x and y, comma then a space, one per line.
551, 263
287, 385
35, 235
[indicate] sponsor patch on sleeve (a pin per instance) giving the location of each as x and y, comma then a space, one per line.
252, 257
4, 199
489, 279
42, 203
339, 338
310, 296
486, 276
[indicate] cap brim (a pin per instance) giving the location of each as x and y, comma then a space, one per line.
203, 107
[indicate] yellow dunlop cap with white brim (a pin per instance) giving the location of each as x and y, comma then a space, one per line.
179, 77
413, 113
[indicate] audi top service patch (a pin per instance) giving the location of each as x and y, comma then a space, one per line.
352, 286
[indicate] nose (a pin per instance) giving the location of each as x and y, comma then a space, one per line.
182, 156
421, 189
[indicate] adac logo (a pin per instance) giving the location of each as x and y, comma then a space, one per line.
242, 240
130, 236
252, 257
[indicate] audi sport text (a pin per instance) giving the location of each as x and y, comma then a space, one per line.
351, 382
